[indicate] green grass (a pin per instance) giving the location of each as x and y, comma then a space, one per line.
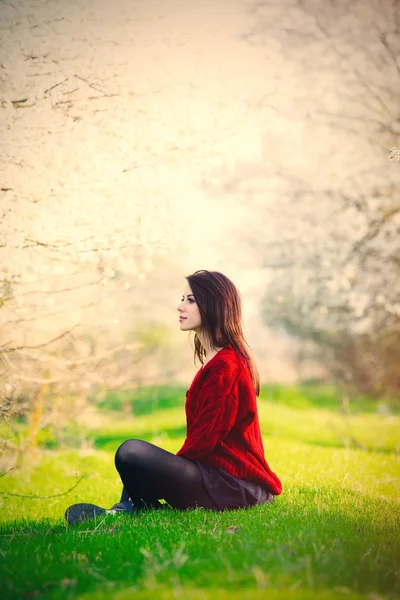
146, 400
333, 533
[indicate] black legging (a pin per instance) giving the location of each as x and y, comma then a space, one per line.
150, 473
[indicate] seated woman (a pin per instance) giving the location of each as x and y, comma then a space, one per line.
221, 464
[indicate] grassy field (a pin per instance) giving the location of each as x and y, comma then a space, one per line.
333, 533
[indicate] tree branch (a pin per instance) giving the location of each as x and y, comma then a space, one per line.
43, 497
58, 337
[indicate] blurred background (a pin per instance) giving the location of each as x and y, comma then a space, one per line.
143, 140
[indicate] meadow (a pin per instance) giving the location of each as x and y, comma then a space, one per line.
333, 533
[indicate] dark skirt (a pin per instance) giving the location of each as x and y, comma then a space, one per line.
229, 492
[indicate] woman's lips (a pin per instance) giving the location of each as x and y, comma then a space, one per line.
182, 318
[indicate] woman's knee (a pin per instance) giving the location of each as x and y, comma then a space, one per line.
129, 452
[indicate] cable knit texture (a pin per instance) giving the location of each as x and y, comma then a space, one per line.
223, 429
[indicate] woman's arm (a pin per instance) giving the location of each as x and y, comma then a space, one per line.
217, 406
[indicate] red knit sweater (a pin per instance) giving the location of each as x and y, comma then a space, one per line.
222, 421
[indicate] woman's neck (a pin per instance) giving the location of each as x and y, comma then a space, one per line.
211, 354
206, 343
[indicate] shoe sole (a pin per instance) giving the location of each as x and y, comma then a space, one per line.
78, 513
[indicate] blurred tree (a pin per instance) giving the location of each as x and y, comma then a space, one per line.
322, 206
66, 297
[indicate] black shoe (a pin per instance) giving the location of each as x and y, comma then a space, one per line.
77, 513
126, 506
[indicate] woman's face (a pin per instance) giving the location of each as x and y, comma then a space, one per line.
190, 311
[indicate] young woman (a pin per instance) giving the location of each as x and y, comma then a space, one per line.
221, 464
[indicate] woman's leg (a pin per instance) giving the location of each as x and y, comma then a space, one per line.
124, 495
150, 473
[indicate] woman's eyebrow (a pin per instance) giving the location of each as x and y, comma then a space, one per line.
183, 295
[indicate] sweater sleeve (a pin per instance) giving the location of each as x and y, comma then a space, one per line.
216, 410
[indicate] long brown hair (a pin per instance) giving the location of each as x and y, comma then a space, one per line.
220, 307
